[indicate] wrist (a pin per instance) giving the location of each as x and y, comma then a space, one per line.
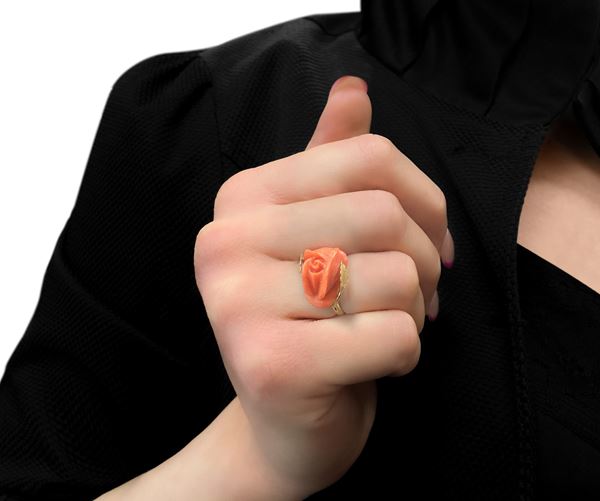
235, 462
222, 463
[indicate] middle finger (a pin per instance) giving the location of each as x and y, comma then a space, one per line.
361, 221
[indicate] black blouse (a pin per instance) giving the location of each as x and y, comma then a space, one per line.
562, 340
516, 61
118, 368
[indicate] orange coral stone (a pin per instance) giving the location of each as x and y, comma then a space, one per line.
321, 274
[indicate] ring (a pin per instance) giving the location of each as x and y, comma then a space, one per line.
324, 276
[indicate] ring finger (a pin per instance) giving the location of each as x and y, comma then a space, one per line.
363, 221
386, 280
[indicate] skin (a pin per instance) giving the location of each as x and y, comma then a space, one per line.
560, 214
305, 377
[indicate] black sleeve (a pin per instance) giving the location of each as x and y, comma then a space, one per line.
118, 368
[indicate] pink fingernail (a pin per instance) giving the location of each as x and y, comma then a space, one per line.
447, 250
434, 307
346, 78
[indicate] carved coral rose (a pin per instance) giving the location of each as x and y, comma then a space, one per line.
321, 274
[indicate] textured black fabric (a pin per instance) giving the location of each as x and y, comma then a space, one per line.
118, 368
101, 386
562, 322
521, 61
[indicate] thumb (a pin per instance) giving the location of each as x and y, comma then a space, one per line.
347, 112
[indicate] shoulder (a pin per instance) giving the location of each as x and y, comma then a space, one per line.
289, 43
267, 87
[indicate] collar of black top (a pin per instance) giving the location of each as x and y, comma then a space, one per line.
512, 60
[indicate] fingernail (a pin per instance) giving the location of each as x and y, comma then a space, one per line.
447, 250
434, 307
348, 78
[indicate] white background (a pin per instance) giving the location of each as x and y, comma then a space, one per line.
58, 62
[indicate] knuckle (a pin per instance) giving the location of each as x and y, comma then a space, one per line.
203, 250
224, 302
410, 345
388, 209
221, 283
212, 241
439, 204
410, 274
221, 238
224, 193
376, 148
230, 190
204, 237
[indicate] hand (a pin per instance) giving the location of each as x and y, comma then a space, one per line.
305, 376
